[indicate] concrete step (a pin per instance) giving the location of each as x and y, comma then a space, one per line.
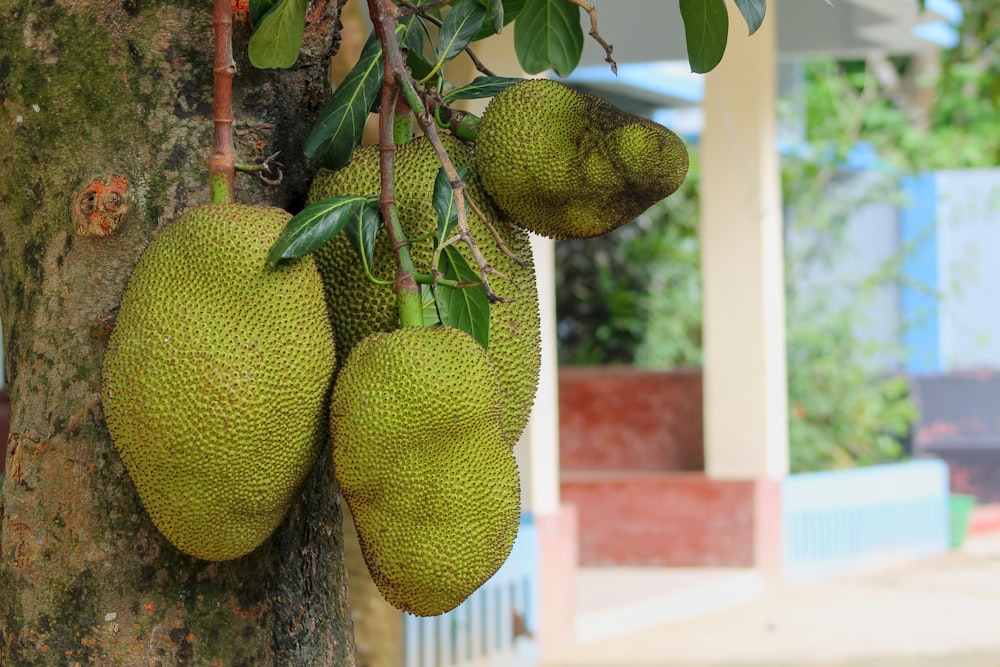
617, 601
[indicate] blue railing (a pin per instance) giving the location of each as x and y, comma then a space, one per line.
834, 522
494, 627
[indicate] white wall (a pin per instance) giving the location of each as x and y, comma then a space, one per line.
968, 237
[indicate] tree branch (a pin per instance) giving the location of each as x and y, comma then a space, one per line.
222, 164
597, 35
384, 15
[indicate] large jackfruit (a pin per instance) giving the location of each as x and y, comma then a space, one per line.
570, 165
421, 459
216, 379
360, 307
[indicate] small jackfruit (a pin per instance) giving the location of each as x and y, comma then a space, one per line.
569, 165
216, 379
360, 307
421, 459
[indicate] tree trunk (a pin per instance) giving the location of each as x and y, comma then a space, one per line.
105, 133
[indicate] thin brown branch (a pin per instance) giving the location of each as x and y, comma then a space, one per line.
596, 34
384, 15
421, 11
265, 166
222, 164
458, 187
496, 235
410, 8
478, 63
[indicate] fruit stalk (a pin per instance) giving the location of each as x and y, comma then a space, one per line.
222, 164
384, 16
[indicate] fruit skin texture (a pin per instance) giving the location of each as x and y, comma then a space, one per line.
422, 461
360, 307
570, 165
216, 379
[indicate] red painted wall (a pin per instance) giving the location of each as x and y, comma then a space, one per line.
659, 519
621, 418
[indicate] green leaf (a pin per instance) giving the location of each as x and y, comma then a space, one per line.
481, 86
511, 8
342, 121
258, 8
459, 27
416, 59
465, 308
494, 14
706, 27
444, 203
431, 317
316, 224
753, 12
362, 229
277, 40
548, 35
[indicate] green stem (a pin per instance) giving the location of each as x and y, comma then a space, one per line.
428, 279
384, 15
402, 124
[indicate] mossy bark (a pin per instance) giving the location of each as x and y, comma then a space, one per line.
105, 133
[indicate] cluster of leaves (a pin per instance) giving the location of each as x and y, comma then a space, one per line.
926, 111
548, 35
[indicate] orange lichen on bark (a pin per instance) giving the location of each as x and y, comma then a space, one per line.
100, 206
241, 11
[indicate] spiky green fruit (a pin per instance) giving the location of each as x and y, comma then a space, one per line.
216, 379
569, 165
360, 307
421, 459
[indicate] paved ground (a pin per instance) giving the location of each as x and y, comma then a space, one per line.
941, 612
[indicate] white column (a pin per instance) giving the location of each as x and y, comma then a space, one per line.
745, 394
538, 451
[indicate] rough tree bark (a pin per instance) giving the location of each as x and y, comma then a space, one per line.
105, 134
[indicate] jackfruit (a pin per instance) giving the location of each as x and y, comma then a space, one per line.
360, 307
569, 165
421, 459
216, 379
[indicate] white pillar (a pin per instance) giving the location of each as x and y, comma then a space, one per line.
538, 451
745, 394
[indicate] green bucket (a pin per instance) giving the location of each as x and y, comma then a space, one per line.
960, 507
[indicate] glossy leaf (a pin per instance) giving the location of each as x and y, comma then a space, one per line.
459, 27
342, 121
548, 35
511, 8
465, 308
444, 203
494, 14
362, 229
275, 43
431, 317
419, 64
316, 224
753, 12
258, 8
706, 27
481, 86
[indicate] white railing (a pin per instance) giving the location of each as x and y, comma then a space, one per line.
837, 521
495, 627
